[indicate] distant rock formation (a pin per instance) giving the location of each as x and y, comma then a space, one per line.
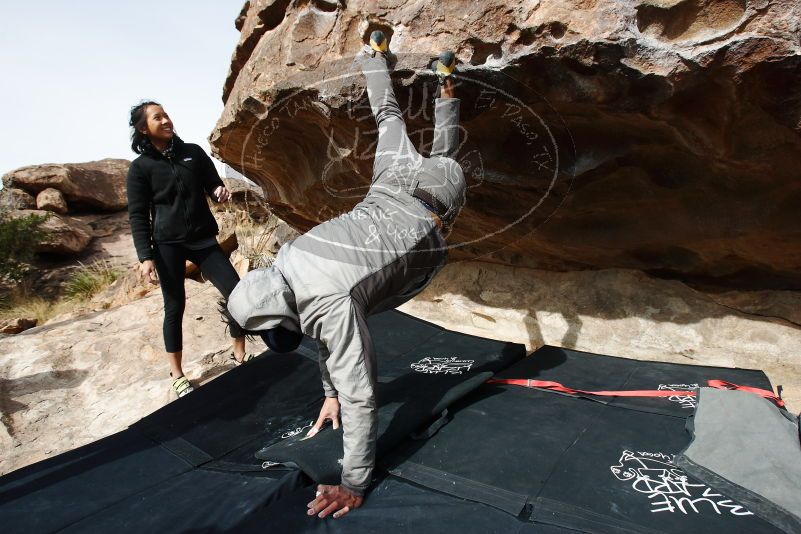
60, 189
51, 200
17, 199
91, 186
63, 235
661, 135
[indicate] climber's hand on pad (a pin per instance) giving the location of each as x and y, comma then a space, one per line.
333, 499
329, 412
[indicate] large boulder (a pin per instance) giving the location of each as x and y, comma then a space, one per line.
91, 185
16, 325
63, 235
246, 199
12, 198
51, 200
661, 135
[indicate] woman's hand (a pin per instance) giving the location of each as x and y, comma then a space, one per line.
333, 499
330, 411
222, 194
147, 272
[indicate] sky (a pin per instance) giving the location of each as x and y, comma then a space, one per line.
71, 70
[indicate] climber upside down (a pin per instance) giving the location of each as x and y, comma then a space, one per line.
326, 282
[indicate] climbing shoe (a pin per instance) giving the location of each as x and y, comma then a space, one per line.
245, 359
444, 66
380, 45
182, 386
378, 42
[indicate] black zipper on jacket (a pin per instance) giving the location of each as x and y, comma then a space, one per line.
184, 200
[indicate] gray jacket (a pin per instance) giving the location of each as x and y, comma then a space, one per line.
374, 258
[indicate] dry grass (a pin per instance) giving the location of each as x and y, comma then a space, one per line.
90, 279
21, 301
253, 237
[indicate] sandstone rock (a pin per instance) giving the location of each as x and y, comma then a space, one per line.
281, 234
72, 382
16, 199
621, 313
51, 200
111, 242
91, 185
240, 263
15, 326
227, 236
63, 235
112, 237
246, 199
662, 136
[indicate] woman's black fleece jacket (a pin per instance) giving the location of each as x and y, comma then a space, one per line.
167, 197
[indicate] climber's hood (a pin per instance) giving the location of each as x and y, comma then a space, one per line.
263, 300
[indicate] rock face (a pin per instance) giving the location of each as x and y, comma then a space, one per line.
51, 200
17, 325
63, 235
662, 135
245, 198
16, 199
70, 382
92, 185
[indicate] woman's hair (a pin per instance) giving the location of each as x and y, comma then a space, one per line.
137, 122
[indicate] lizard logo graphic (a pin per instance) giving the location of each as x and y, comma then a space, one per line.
448, 366
686, 401
668, 488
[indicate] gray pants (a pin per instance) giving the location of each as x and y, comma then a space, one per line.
374, 258
398, 166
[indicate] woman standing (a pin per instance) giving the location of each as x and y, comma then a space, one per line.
171, 222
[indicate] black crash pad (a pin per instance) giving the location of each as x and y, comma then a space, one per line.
190, 466
593, 372
566, 461
422, 370
393, 505
153, 475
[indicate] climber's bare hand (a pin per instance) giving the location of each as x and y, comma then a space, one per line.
333, 499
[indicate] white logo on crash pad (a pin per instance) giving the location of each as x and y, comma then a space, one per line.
668, 488
445, 366
686, 401
295, 431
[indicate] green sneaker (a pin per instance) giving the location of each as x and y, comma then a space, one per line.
182, 386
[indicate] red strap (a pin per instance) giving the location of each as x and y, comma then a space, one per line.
556, 386
722, 384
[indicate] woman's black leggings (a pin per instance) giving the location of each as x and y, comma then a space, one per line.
170, 262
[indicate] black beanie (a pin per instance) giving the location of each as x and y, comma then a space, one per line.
280, 339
